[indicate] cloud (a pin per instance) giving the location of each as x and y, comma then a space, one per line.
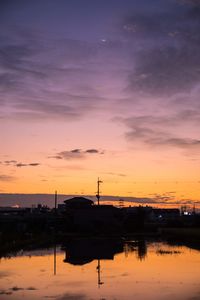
5, 274
164, 198
166, 59
10, 162
92, 151
162, 131
116, 174
20, 164
34, 164
195, 3
69, 296
76, 154
6, 177
46, 77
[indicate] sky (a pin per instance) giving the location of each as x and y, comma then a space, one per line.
95, 88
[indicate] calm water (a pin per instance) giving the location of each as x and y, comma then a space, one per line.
104, 271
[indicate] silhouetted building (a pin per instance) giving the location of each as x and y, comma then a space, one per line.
78, 202
159, 214
83, 215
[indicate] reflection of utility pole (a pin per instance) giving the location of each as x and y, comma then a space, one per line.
99, 273
55, 229
54, 267
98, 190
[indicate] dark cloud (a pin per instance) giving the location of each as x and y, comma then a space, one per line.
69, 296
77, 151
16, 288
31, 288
195, 3
71, 155
163, 198
4, 292
55, 156
10, 162
116, 174
20, 164
76, 154
153, 138
166, 59
47, 77
6, 177
160, 131
4, 274
44, 76
34, 164
25, 200
92, 151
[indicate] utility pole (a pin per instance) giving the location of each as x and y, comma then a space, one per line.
55, 231
98, 190
55, 202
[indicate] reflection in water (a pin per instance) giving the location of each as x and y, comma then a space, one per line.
134, 269
54, 265
136, 246
83, 251
99, 273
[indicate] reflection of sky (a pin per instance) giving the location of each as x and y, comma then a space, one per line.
125, 277
120, 78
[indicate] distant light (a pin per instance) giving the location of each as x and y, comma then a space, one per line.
103, 40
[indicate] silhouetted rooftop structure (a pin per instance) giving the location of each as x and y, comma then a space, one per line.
78, 202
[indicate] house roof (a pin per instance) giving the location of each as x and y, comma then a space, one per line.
79, 200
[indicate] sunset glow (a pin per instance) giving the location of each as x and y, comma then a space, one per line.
105, 89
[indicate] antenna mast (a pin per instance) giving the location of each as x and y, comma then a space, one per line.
55, 202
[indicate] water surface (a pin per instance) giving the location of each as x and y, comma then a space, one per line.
103, 271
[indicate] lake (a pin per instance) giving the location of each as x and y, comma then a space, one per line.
103, 270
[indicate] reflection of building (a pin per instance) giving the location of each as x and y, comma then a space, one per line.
82, 251
140, 247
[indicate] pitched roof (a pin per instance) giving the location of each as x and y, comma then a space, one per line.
79, 200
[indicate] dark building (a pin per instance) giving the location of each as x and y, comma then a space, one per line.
78, 202
84, 215
165, 213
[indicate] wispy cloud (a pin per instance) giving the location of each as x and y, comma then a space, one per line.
166, 58
163, 130
76, 154
32, 86
7, 178
69, 296
20, 164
